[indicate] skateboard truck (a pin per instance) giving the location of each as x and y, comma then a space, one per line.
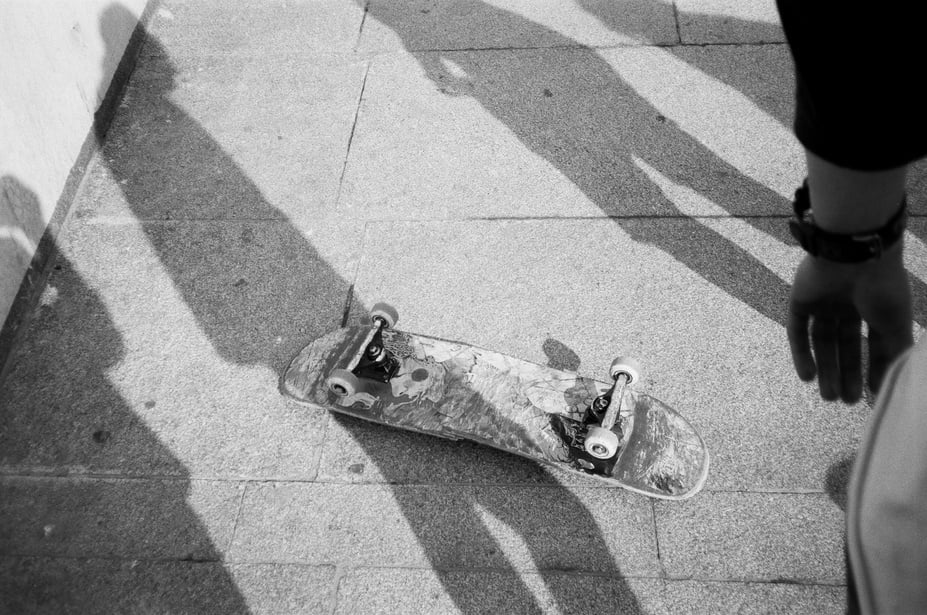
376, 362
601, 440
372, 361
594, 441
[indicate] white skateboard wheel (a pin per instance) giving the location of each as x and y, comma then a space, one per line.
627, 366
343, 383
387, 313
601, 443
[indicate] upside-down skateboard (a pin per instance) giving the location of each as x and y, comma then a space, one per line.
457, 391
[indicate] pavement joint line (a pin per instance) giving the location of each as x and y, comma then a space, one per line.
238, 513
676, 23
629, 217
656, 539
360, 29
319, 450
133, 221
251, 480
348, 302
347, 153
358, 266
507, 571
350, 298
575, 47
729, 44
119, 558
129, 221
6, 475
343, 570
756, 581
769, 491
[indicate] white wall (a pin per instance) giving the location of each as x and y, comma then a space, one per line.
57, 58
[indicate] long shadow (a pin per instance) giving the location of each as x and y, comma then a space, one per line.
743, 77
572, 109
571, 112
75, 455
250, 279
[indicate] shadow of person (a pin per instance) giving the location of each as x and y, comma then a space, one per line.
740, 71
251, 280
84, 529
21, 228
575, 111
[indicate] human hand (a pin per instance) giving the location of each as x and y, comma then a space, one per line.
828, 303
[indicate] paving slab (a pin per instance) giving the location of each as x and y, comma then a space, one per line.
267, 27
731, 597
117, 518
698, 302
423, 25
169, 339
793, 538
561, 182
916, 263
573, 132
728, 21
488, 527
356, 451
917, 186
226, 138
406, 591
456, 591
83, 585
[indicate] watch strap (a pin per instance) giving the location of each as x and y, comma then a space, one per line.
839, 247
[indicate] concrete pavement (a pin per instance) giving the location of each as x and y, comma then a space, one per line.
561, 181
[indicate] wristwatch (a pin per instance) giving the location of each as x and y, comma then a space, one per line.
843, 248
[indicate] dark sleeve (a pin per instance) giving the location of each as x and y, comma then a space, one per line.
859, 68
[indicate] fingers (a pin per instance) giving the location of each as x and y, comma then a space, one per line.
849, 356
828, 303
797, 330
832, 352
824, 337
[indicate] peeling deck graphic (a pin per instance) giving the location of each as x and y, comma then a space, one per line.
456, 391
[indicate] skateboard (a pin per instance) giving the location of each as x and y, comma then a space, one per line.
608, 430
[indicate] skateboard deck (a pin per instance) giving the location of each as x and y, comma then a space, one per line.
457, 391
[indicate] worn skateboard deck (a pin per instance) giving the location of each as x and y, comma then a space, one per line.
457, 391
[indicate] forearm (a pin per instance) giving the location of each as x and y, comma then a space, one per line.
851, 201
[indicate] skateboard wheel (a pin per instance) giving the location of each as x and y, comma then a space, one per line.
601, 443
627, 366
342, 383
386, 313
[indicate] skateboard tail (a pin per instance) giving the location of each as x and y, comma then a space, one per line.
665, 457
304, 378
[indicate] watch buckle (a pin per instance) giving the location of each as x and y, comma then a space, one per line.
873, 241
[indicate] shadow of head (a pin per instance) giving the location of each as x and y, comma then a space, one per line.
838, 479
560, 356
21, 219
117, 27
